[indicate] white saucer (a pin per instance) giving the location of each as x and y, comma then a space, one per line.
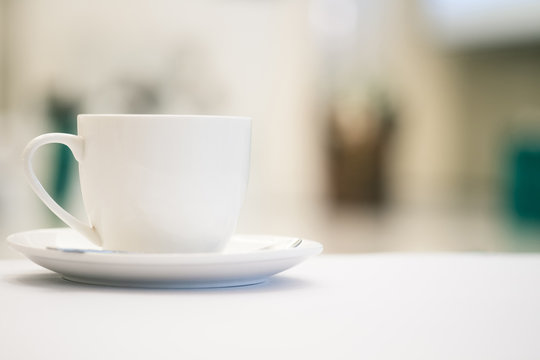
243, 262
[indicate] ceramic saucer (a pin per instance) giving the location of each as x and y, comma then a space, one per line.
248, 259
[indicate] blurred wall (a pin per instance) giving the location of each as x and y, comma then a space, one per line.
210, 57
283, 63
425, 79
500, 88
3, 69
224, 57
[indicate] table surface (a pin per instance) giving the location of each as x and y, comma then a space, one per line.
373, 306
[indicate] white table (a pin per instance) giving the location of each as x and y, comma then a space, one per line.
381, 306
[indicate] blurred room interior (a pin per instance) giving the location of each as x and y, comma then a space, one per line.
391, 125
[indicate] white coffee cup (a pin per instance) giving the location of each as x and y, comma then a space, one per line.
155, 183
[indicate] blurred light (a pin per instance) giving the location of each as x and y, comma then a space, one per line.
483, 22
334, 21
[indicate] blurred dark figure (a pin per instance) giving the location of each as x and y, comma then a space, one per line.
358, 166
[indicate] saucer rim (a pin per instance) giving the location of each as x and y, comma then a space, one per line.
306, 249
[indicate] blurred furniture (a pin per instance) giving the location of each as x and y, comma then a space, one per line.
379, 306
524, 184
523, 167
62, 114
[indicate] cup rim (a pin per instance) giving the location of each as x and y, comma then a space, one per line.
163, 116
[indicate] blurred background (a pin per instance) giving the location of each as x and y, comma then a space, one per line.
389, 125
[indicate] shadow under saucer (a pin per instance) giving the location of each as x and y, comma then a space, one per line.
51, 281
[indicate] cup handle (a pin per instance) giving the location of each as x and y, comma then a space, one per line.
76, 145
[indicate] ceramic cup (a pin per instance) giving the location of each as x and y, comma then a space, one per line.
155, 183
